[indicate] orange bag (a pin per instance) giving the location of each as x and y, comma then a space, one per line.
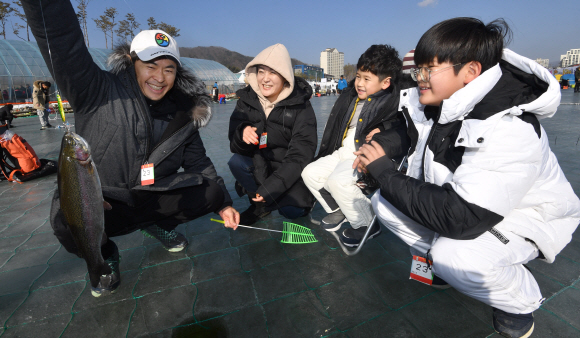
18, 148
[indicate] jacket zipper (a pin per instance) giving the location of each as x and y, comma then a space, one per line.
144, 108
349, 120
411, 121
170, 136
431, 133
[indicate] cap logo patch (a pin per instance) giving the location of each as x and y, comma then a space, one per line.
162, 39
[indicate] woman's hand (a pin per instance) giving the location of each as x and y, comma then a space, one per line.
258, 198
249, 135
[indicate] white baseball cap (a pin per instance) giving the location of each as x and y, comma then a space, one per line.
151, 44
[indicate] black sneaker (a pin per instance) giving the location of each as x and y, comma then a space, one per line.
513, 325
240, 190
109, 283
172, 240
333, 221
253, 214
49, 125
352, 237
439, 283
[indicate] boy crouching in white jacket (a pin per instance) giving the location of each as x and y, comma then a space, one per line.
484, 193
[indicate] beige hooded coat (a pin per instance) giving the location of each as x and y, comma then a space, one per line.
277, 58
39, 99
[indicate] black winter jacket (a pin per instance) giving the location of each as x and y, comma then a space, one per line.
111, 112
292, 140
379, 111
6, 113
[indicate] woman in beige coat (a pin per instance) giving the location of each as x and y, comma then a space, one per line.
40, 102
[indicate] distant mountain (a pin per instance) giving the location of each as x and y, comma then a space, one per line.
232, 60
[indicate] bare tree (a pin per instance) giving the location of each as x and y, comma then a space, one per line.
16, 27
111, 13
20, 14
349, 72
104, 25
133, 25
151, 22
167, 28
82, 16
123, 30
127, 27
5, 12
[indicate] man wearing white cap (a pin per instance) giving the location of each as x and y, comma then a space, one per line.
141, 120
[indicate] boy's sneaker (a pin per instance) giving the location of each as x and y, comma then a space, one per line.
109, 283
513, 325
42, 127
172, 240
352, 237
49, 125
333, 221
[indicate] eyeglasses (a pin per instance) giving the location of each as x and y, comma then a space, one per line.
424, 73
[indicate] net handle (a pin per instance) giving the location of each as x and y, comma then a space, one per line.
247, 226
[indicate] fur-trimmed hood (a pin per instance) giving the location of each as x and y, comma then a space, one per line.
37, 84
119, 61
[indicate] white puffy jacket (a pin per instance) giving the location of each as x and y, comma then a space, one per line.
486, 163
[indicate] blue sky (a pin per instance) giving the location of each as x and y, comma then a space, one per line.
541, 29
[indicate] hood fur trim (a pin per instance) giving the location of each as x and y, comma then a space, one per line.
120, 61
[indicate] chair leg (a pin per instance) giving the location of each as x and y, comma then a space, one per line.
362, 242
312, 220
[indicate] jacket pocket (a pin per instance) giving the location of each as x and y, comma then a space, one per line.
99, 149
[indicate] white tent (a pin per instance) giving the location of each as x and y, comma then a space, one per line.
242, 76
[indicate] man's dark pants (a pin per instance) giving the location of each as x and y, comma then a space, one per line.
6, 120
166, 209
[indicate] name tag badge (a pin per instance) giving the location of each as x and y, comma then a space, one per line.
147, 174
421, 271
264, 140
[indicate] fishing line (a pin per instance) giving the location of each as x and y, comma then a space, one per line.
51, 63
129, 6
47, 43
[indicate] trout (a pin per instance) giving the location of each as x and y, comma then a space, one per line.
82, 205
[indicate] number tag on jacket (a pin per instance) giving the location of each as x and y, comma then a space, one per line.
421, 271
147, 174
264, 140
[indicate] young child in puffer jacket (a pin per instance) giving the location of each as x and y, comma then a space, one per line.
363, 112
